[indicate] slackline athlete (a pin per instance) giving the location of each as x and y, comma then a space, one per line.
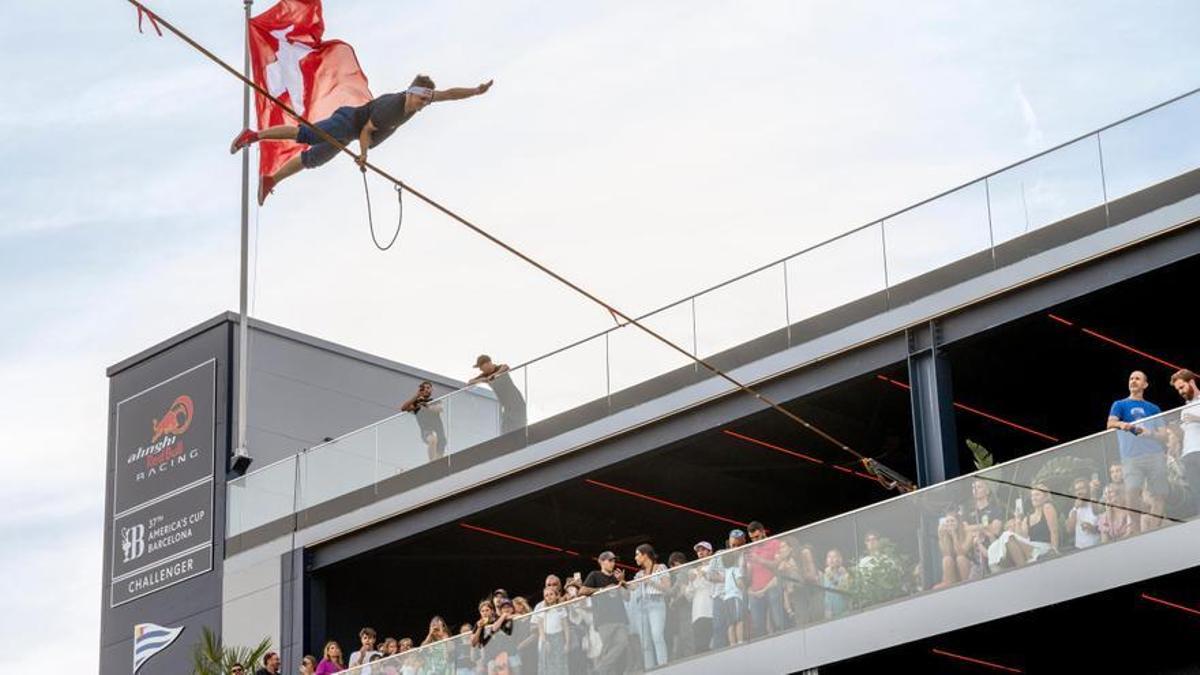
370, 123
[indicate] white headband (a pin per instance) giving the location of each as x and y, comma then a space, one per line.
423, 92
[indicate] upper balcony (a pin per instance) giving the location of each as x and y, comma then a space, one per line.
1107, 190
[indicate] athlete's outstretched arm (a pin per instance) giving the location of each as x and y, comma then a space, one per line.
459, 93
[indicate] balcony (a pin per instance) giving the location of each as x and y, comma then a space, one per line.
920, 564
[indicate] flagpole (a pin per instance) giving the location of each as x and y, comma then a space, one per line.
241, 455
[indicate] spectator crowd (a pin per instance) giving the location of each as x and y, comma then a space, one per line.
622, 618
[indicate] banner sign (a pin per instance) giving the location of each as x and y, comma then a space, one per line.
162, 530
162, 575
163, 480
166, 437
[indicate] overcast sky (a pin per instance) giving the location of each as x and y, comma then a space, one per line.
645, 150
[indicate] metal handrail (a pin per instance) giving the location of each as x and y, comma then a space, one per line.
785, 259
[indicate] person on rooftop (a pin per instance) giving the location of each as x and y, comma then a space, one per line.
370, 124
512, 403
429, 419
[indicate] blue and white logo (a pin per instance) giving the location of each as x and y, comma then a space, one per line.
150, 639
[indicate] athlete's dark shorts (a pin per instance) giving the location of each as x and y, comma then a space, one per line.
340, 125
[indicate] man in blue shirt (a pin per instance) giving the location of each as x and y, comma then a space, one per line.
1143, 455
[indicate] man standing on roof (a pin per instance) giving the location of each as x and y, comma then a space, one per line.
370, 123
429, 419
512, 403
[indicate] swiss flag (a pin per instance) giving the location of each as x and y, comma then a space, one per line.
312, 75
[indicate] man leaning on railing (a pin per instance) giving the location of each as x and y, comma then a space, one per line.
1143, 455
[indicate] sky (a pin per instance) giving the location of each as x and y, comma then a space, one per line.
644, 150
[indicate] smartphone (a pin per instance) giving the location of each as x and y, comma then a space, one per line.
579, 577
1019, 507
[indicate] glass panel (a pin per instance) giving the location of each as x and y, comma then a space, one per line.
822, 558
400, 446
1046, 190
888, 567
741, 311
568, 379
1152, 148
338, 467
635, 356
855, 261
938, 233
262, 496
473, 415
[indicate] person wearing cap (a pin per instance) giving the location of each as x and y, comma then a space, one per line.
370, 124
270, 664
499, 596
608, 613
493, 632
700, 590
512, 403
728, 573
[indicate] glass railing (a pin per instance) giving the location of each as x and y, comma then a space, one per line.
1035, 509
1079, 187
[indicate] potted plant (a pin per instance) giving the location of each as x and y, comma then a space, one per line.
210, 657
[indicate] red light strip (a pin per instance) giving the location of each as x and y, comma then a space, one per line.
1127, 348
793, 453
1167, 603
981, 413
664, 502
1117, 343
1060, 320
521, 540
765, 444
531, 542
978, 662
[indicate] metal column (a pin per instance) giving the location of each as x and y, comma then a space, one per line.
934, 434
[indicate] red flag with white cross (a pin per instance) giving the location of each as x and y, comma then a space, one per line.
292, 61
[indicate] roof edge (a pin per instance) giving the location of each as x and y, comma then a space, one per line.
287, 334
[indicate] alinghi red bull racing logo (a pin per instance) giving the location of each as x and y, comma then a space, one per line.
166, 449
176, 421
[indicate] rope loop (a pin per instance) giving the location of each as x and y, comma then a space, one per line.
371, 219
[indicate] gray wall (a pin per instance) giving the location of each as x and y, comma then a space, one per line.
194, 603
303, 390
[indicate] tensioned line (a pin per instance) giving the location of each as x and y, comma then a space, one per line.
883, 474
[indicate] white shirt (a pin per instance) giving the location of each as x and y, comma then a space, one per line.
551, 619
357, 659
1086, 514
700, 590
1191, 430
649, 588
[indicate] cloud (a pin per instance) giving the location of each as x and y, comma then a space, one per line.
1034, 139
